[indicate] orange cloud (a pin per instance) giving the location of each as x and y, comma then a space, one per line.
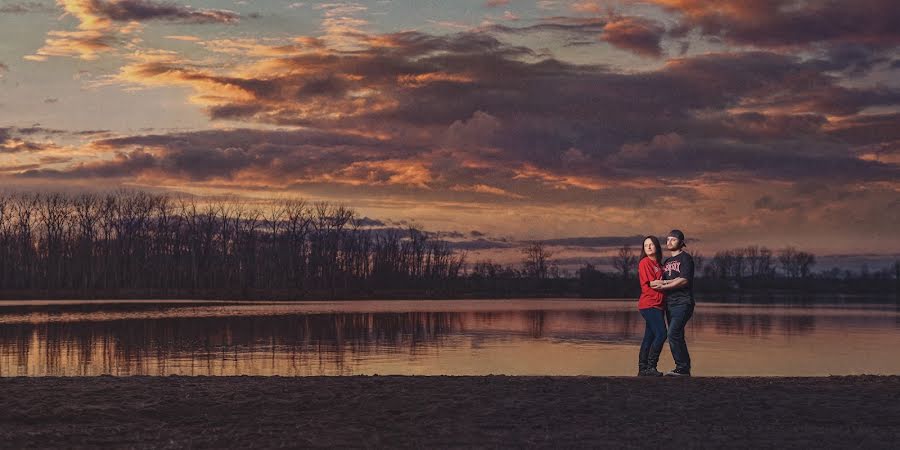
555, 181
485, 189
379, 173
183, 38
87, 45
418, 80
253, 47
586, 6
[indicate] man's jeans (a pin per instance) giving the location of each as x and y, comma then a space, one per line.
654, 337
678, 316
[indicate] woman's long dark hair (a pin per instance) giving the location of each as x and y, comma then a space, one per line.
655, 241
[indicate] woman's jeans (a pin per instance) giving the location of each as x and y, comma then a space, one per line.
654, 338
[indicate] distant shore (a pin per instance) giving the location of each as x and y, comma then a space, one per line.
460, 412
276, 296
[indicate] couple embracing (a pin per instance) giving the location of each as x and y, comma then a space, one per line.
666, 303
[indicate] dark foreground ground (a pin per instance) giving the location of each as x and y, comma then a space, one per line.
429, 412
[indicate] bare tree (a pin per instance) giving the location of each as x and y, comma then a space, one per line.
724, 264
805, 261
796, 264
625, 261
536, 260
699, 262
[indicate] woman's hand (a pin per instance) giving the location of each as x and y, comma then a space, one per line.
656, 284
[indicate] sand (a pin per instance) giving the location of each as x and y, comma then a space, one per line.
456, 412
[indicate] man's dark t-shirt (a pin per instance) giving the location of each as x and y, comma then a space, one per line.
679, 266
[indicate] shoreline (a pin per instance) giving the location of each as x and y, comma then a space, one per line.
848, 298
234, 295
450, 411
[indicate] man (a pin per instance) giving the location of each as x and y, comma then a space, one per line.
678, 284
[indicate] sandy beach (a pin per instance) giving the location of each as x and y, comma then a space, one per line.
429, 412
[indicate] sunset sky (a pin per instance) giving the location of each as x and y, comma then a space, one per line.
773, 122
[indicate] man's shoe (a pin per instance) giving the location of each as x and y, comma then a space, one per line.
651, 372
678, 373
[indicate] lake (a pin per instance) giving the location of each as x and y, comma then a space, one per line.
458, 337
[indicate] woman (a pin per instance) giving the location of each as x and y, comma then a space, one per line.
652, 308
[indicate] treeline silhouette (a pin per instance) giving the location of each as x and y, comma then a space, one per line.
133, 244
126, 244
751, 270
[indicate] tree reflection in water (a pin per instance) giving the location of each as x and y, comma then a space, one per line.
169, 342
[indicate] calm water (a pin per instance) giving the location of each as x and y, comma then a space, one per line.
465, 337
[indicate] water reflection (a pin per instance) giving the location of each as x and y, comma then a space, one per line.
526, 337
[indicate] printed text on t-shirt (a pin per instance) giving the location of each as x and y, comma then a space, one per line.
673, 265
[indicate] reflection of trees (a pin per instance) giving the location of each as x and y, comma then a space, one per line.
146, 346
536, 320
797, 325
342, 343
754, 325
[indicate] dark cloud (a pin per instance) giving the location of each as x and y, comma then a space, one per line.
276, 157
573, 27
868, 129
37, 129
757, 127
448, 234
367, 222
853, 59
11, 141
124, 164
470, 119
767, 202
244, 138
788, 160
636, 34
585, 243
450, 78
480, 244
778, 23
604, 263
141, 10
25, 7
768, 80
468, 106
598, 241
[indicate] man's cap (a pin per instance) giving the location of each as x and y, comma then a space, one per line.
678, 234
